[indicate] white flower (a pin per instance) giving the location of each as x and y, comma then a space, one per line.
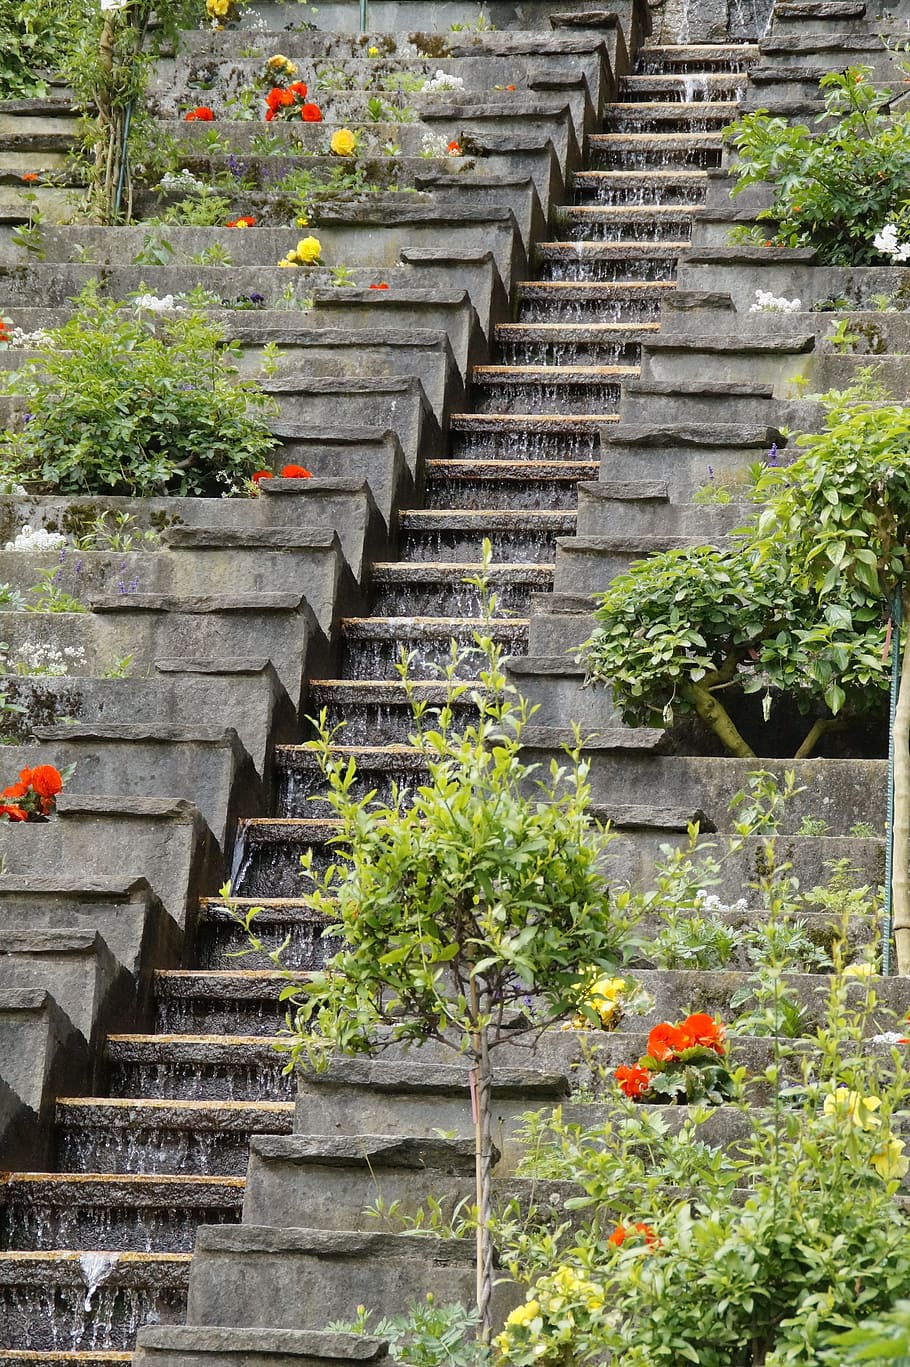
17, 338
180, 180
108, 5
154, 304
766, 302
441, 81
434, 145
35, 539
889, 1037
887, 243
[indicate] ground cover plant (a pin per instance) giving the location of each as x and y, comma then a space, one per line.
178, 419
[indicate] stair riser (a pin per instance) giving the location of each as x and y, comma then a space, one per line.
515, 445
516, 547
590, 228
205, 1154
47, 1319
429, 600
669, 158
255, 1081
582, 398
568, 353
116, 1227
580, 307
218, 945
582, 268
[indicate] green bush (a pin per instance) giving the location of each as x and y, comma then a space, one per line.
123, 401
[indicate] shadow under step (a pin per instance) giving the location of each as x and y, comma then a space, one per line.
563, 343
573, 389
655, 151
377, 712
116, 1212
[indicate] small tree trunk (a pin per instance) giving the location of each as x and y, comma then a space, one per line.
715, 715
819, 728
900, 832
483, 1172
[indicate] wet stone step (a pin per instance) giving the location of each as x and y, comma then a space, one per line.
261, 857
673, 116
377, 712
208, 1138
687, 87
490, 437
233, 1002
515, 536
497, 485
568, 343
657, 59
198, 1068
545, 389
372, 647
585, 301
652, 223
383, 768
425, 589
80, 1302
604, 261
222, 942
653, 151
126, 1212
640, 188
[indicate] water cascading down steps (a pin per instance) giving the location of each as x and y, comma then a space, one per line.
103, 1245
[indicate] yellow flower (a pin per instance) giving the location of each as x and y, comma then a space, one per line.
308, 249
372, 51
859, 1110
858, 971
343, 142
523, 1314
889, 1161
289, 260
277, 62
303, 223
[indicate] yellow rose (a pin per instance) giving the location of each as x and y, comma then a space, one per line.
289, 260
848, 1105
889, 1161
343, 142
274, 63
523, 1314
309, 249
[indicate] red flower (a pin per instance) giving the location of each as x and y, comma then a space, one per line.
634, 1081
201, 114
261, 475
13, 813
701, 1028
30, 177
381, 286
618, 1237
295, 472
299, 89
269, 115
247, 222
278, 96
46, 780
622, 1232
510, 87
15, 790
666, 1041
311, 113
454, 148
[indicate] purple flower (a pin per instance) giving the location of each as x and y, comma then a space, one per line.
772, 455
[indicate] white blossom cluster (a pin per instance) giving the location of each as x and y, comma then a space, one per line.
167, 302
40, 657
181, 180
434, 145
709, 901
886, 241
30, 538
442, 81
766, 302
16, 337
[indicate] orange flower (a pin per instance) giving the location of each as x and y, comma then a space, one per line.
311, 113
634, 1081
46, 780
454, 148
246, 222
261, 475
30, 177
25, 776
381, 286
295, 472
703, 1029
510, 87
618, 1237
299, 89
269, 115
13, 813
201, 114
622, 1232
666, 1041
15, 790
278, 96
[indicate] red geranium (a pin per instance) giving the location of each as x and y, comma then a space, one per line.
633, 1081
311, 113
703, 1029
246, 222
666, 1042
34, 795
295, 472
299, 89
261, 475
381, 286
622, 1232
201, 114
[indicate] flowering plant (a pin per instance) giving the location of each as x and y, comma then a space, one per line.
247, 221
287, 472
201, 114
308, 252
34, 795
286, 97
684, 1063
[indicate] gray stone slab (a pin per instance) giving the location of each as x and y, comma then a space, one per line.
173, 1345
406, 310
43, 1056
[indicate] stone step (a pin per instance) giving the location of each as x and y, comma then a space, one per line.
509, 438
57, 1210
374, 711
498, 485
222, 943
405, 589
687, 87
144, 1135
372, 647
585, 301
677, 116
596, 261
523, 535
654, 151
562, 343
237, 1001
632, 188
530, 388
621, 222
81, 1297
660, 57
198, 1068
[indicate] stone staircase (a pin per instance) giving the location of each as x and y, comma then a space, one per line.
571, 434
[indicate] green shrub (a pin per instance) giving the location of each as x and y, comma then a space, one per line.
129, 402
